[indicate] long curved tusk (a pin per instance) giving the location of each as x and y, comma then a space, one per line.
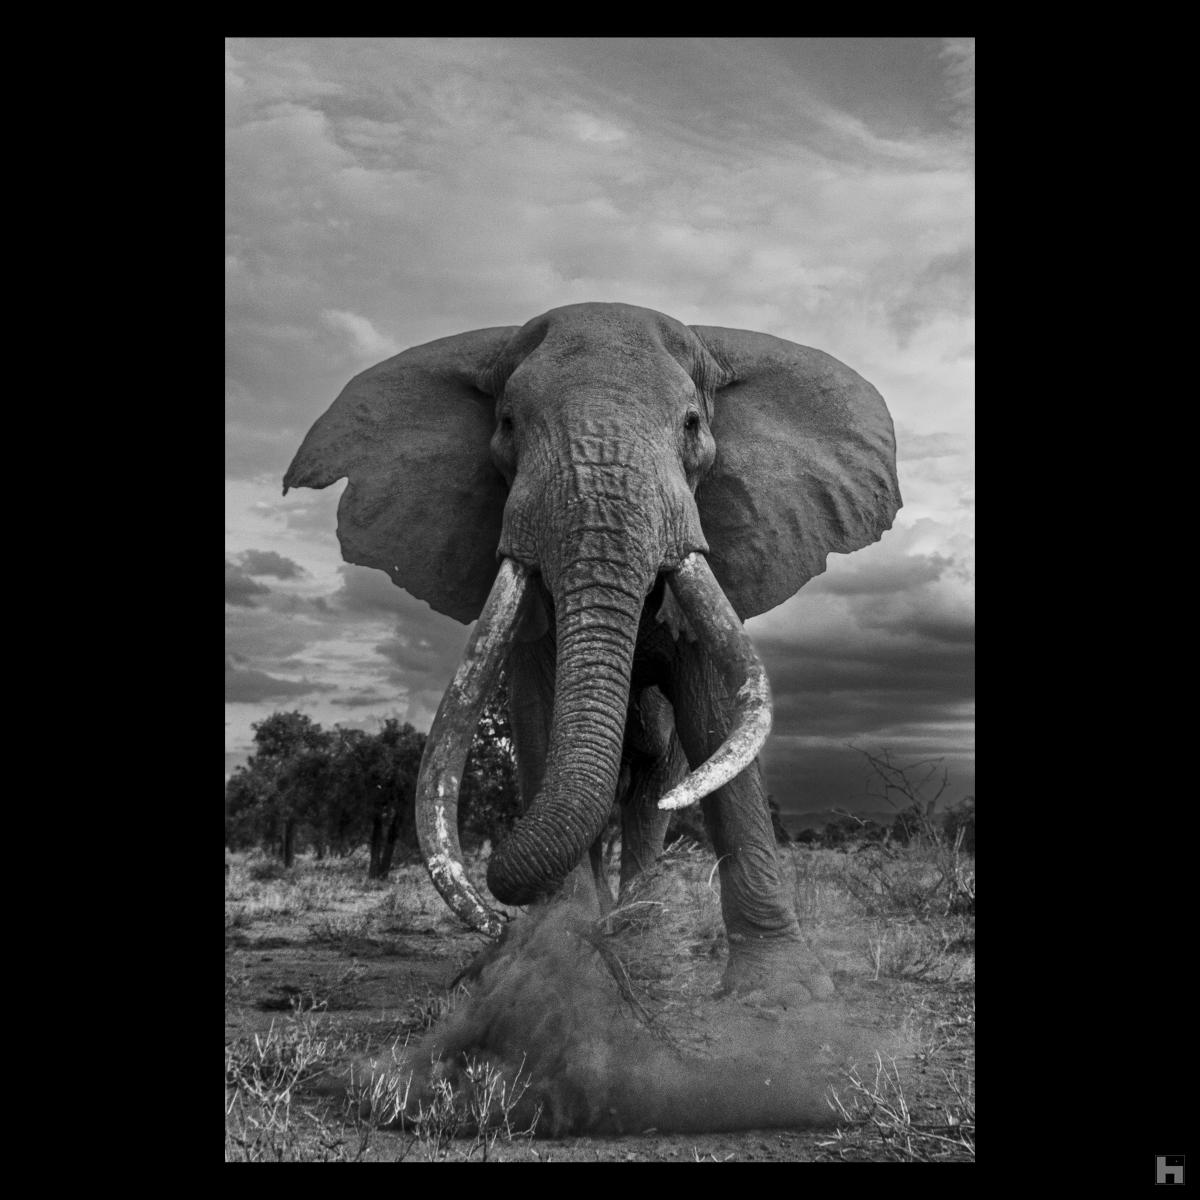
449, 741
711, 616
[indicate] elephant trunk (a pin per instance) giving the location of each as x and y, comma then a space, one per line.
598, 600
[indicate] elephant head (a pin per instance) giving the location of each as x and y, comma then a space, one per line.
548, 476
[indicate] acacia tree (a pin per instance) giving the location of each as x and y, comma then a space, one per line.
304, 785
245, 804
343, 813
278, 787
394, 761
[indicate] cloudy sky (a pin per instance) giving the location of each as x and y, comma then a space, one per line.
382, 193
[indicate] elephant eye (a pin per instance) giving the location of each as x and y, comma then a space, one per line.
692, 422
506, 424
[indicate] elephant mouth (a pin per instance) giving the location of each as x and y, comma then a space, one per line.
692, 597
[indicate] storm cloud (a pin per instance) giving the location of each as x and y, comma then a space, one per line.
240, 589
249, 686
267, 562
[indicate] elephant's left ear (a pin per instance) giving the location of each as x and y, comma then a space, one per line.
805, 466
424, 502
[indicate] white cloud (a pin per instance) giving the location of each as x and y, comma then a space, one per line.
959, 56
588, 128
366, 341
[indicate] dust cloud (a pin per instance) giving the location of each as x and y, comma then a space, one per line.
612, 1036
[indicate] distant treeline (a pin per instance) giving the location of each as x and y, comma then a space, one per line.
333, 791
913, 823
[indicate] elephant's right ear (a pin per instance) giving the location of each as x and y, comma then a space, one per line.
424, 502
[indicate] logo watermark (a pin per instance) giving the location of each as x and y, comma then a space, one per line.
1168, 1168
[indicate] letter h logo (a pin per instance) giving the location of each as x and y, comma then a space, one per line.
1168, 1168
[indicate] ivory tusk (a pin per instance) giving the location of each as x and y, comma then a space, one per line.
449, 741
714, 622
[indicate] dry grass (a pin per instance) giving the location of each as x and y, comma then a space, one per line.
904, 912
941, 950
879, 1105
900, 920
271, 1115
264, 1076
335, 892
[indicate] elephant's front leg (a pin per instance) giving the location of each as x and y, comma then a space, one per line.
766, 948
658, 764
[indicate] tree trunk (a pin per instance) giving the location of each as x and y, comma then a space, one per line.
376, 870
393, 836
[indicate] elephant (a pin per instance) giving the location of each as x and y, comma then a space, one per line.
609, 494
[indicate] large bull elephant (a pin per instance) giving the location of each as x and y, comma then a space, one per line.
611, 493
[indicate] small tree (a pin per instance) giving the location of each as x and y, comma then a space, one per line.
490, 797
397, 762
304, 783
840, 831
246, 799
914, 791
268, 798
959, 824
344, 813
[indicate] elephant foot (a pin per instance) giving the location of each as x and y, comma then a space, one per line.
775, 971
